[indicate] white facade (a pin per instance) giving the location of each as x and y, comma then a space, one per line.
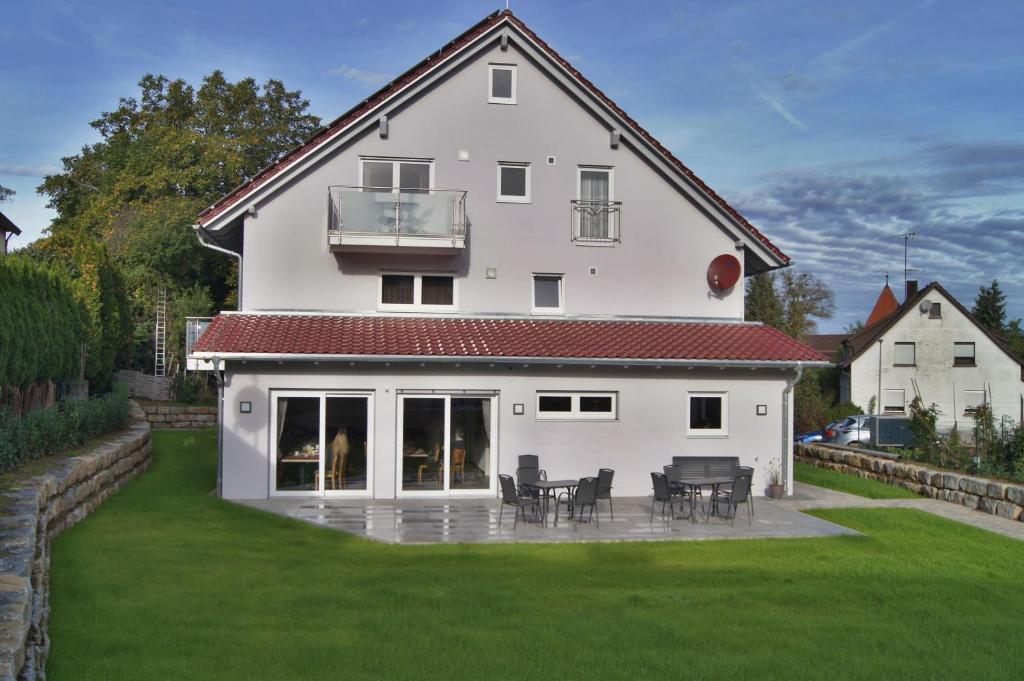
921, 347
519, 255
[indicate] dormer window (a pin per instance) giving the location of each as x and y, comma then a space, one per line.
501, 83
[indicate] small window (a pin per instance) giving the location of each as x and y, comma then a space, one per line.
935, 311
708, 414
501, 83
894, 401
389, 175
514, 182
547, 294
963, 354
417, 292
905, 355
576, 406
972, 400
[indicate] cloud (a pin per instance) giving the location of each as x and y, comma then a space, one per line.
28, 171
358, 75
775, 104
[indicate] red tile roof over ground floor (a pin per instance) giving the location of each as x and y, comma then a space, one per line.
351, 336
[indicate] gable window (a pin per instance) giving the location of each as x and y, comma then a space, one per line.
893, 401
501, 83
513, 182
905, 355
429, 292
973, 399
595, 214
548, 294
577, 406
708, 414
389, 175
935, 311
963, 354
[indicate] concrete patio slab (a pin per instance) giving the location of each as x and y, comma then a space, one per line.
475, 521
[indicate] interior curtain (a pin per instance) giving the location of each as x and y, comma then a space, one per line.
282, 410
485, 410
594, 216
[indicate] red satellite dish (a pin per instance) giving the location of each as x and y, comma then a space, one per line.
723, 272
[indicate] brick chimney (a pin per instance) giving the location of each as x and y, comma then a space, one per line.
911, 289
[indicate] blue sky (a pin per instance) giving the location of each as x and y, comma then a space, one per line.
833, 126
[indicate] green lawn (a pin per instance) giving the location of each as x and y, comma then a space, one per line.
168, 582
851, 484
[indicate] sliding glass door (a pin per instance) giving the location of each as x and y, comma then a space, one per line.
321, 444
446, 444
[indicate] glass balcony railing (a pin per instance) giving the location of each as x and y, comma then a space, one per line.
370, 216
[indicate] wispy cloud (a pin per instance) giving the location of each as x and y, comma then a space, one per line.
776, 105
27, 171
358, 75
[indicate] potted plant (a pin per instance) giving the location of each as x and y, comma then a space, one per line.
776, 485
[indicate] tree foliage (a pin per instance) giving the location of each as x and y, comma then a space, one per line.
990, 307
5, 194
763, 303
791, 301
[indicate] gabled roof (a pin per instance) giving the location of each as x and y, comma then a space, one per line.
333, 336
826, 343
7, 226
884, 306
430, 65
861, 341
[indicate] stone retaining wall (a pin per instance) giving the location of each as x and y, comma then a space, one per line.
991, 496
180, 416
36, 507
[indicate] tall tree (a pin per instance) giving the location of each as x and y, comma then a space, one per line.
990, 307
5, 194
805, 298
763, 303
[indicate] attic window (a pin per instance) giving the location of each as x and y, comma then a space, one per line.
501, 83
935, 311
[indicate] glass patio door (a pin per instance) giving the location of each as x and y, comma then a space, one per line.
446, 444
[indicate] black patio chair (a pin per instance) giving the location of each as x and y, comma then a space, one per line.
584, 497
510, 497
732, 497
604, 488
663, 494
745, 470
532, 461
680, 489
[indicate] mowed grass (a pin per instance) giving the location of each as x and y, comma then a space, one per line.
166, 581
851, 484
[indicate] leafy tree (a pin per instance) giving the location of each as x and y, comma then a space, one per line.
5, 194
789, 302
990, 307
1015, 337
762, 301
854, 328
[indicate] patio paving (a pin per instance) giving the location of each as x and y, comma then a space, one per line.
475, 521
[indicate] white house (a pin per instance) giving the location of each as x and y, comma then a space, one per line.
488, 258
933, 347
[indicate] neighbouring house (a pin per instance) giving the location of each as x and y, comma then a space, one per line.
932, 347
7, 230
488, 258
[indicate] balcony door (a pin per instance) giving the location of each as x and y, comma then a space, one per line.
447, 445
322, 444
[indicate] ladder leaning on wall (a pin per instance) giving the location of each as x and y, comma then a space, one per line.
160, 334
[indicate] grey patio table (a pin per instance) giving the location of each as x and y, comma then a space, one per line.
713, 483
548, 487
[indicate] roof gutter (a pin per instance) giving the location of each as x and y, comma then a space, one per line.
477, 359
208, 240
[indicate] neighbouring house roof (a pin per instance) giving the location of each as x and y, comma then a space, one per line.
828, 344
7, 226
861, 341
325, 336
421, 70
884, 306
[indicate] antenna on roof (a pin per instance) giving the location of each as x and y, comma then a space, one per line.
906, 236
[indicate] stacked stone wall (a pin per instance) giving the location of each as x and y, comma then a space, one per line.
180, 416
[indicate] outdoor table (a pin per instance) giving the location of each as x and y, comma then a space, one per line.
549, 486
713, 483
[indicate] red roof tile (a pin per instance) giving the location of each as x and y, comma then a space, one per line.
429, 64
884, 306
251, 334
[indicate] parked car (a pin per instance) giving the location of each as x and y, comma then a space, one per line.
853, 430
807, 438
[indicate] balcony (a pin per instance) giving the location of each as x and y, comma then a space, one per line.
596, 222
195, 327
370, 219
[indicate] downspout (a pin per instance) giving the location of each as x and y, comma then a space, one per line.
218, 375
208, 240
786, 423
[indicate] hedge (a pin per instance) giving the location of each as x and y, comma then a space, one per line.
56, 430
42, 323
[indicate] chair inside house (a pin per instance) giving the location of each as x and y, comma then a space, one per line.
510, 497
604, 488
458, 463
434, 466
584, 499
738, 493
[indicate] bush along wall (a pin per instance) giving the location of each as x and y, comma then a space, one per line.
55, 430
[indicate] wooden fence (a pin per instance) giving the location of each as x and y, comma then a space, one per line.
20, 401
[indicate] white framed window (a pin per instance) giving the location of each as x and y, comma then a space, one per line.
904, 354
428, 292
548, 294
972, 400
513, 182
707, 414
596, 213
381, 174
893, 401
963, 355
501, 83
577, 406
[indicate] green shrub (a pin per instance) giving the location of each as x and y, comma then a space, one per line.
58, 429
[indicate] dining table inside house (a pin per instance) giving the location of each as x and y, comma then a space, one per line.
713, 482
548, 489
301, 458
